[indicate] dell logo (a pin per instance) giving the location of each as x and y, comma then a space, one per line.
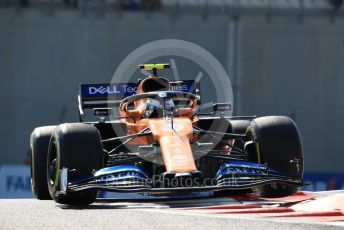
102, 90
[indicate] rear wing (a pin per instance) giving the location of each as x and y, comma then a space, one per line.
110, 95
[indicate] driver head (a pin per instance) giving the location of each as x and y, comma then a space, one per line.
169, 104
155, 107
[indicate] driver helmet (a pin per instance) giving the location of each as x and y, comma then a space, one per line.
154, 108
169, 104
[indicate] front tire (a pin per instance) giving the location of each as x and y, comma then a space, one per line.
275, 141
39, 143
78, 147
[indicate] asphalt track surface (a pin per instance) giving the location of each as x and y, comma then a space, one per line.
147, 214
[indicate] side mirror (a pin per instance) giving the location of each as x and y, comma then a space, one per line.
222, 107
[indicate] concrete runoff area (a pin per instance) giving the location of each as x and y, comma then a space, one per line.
203, 213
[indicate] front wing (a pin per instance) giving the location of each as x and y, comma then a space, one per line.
236, 175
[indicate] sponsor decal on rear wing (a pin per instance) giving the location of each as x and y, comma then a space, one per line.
187, 86
100, 91
123, 90
106, 95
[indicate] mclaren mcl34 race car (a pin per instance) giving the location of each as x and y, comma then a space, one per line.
149, 137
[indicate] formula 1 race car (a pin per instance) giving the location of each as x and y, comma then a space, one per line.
159, 143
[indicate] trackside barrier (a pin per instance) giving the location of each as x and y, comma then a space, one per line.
323, 181
15, 181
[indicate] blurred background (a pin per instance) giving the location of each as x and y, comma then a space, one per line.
284, 57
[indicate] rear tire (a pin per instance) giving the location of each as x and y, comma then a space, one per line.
39, 143
74, 146
277, 143
239, 127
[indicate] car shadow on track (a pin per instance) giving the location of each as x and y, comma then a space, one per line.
151, 203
